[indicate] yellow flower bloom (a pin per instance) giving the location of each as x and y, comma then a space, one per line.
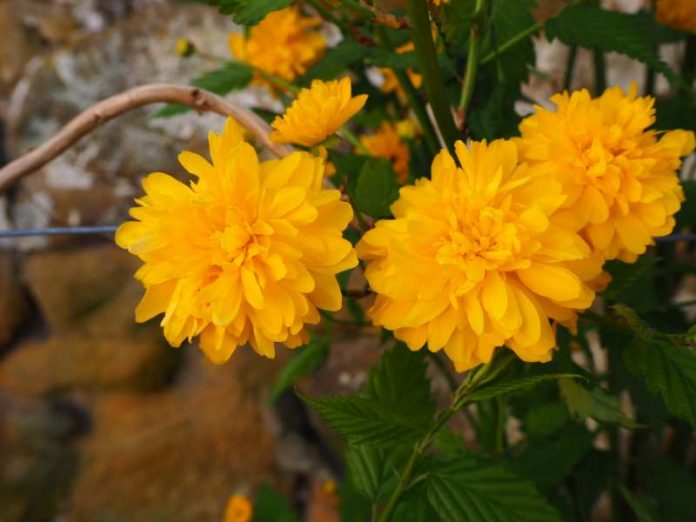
317, 113
386, 143
245, 254
474, 260
239, 509
391, 84
621, 179
679, 14
284, 44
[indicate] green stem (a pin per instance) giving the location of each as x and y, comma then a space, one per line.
458, 401
600, 74
324, 12
433, 81
570, 67
412, 97
276, 80
529, 31
471, 69
353, 140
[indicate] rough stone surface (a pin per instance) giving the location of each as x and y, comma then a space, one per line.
13, 303
70, 284
180, 453
77, 360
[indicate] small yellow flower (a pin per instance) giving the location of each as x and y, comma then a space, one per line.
391, 84
239, 509
184, 47
621, 179
317, 113
387, 143
406, 129
246, 253
284, 44
474, 259
679, 14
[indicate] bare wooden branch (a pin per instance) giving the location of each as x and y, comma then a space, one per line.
105, 110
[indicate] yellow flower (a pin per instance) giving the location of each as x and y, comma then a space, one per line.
284, 44
184, 47
621, 179
387, 143
679, 14
245, 254
239, 509
317, 113
391, 84
474, 260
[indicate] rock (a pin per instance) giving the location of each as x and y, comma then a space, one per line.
178, 454
69, 285
38, 457
78, 360
13, 302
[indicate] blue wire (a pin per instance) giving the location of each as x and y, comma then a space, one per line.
58, 231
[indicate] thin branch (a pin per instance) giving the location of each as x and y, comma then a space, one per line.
105, 110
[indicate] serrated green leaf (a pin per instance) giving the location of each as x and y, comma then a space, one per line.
498, 389
365, 421
545, 419
230, 77
674, 488
376, 188
399, 382
668, 370
640, 505
465, 487
592, 27
394, 60
395, 408
547, 463
414, 506
625, 275
271, 506
303, 363
353, 506
366, 465
595, 403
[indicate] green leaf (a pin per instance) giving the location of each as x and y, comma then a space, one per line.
247, 12
271, 506
414, 506
592, 27
640, 505
376, 188
509, 18
469, 488
365, 421
673, 486
303, 363
395, 409
336, 61
669, 370
512, 386
353, 506
400, 383
171, 109
230, 77
545, 419
394, 60
624, 276
595, 403
549, 461
367, 469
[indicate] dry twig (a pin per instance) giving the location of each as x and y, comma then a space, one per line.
105, 110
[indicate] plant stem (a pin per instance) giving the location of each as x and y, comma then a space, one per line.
433, 82
412, 97
570, 67
600, 74
471, 69
351, 138
529, 31
375, 14
276, 80
324, 12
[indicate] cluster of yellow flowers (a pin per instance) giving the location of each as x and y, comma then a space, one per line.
492, 250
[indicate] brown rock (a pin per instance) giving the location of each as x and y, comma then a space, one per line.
13, 303
79, 360
69, 285
178, 454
